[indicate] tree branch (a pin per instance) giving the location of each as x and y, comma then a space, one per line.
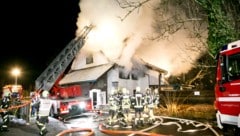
130, 6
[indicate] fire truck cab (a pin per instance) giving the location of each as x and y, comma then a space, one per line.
227, 88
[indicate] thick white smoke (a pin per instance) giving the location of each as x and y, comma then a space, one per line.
120, 40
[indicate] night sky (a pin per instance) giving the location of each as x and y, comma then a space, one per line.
33, 32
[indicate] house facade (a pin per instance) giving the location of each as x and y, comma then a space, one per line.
98, 76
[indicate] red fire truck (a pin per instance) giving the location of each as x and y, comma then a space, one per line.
227, 88
66, 99
12, 90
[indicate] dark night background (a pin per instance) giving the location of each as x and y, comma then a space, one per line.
33, 32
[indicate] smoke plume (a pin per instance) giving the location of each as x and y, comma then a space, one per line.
122, 40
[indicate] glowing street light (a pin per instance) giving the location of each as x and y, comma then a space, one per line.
16, 72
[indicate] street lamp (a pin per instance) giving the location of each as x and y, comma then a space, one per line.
16, 72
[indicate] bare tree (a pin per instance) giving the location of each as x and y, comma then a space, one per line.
130, 6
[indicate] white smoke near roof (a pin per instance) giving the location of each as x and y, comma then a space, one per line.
121, 40
176, 55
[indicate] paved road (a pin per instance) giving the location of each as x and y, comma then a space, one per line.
17, 128
180, 127
163, 126
87, 120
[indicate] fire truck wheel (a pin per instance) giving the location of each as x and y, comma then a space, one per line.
229, 130
237, 131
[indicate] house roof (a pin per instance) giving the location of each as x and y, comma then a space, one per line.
153, 67
85, 75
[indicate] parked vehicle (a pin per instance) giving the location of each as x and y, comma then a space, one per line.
227, 88
15, 91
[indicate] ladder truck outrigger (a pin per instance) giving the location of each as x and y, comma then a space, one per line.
67, 100
227, 88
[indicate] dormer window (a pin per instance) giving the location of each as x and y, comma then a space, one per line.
89, 59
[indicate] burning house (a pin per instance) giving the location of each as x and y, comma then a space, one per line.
98, 76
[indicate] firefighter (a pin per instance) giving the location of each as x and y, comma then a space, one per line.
156, 98
35, 102
5, 104
37, 105
113, 107
44, 110
126, 105
138, 106
33, 110
17, 101
149, 102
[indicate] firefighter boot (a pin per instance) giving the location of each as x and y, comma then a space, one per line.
4, 128
109, 121
136, 122
43, 132
123, 122
142, 121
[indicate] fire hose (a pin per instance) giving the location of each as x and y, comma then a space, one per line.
109, 132
121, 132
74, 130
16, 106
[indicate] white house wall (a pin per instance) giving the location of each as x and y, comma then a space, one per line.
80, 61
151, 77
143, 83
113, 76
154, 75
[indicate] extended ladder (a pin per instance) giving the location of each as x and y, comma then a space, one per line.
49, 76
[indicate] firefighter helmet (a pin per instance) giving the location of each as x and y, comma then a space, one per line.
113, 91
156, 91
148, 90
138, 89
6, 93
124, 91
45, 94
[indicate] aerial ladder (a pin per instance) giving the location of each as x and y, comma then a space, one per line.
50, 75
64, 99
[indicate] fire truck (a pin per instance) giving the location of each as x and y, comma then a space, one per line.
66, 99
227, 88
12, 90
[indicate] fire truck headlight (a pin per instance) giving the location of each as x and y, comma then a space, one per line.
82, 105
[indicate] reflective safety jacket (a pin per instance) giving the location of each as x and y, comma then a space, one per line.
45, 107
113, 103
5, 103
139, 100
126, 102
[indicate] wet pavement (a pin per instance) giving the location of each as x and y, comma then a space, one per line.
21, 128
163, 126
